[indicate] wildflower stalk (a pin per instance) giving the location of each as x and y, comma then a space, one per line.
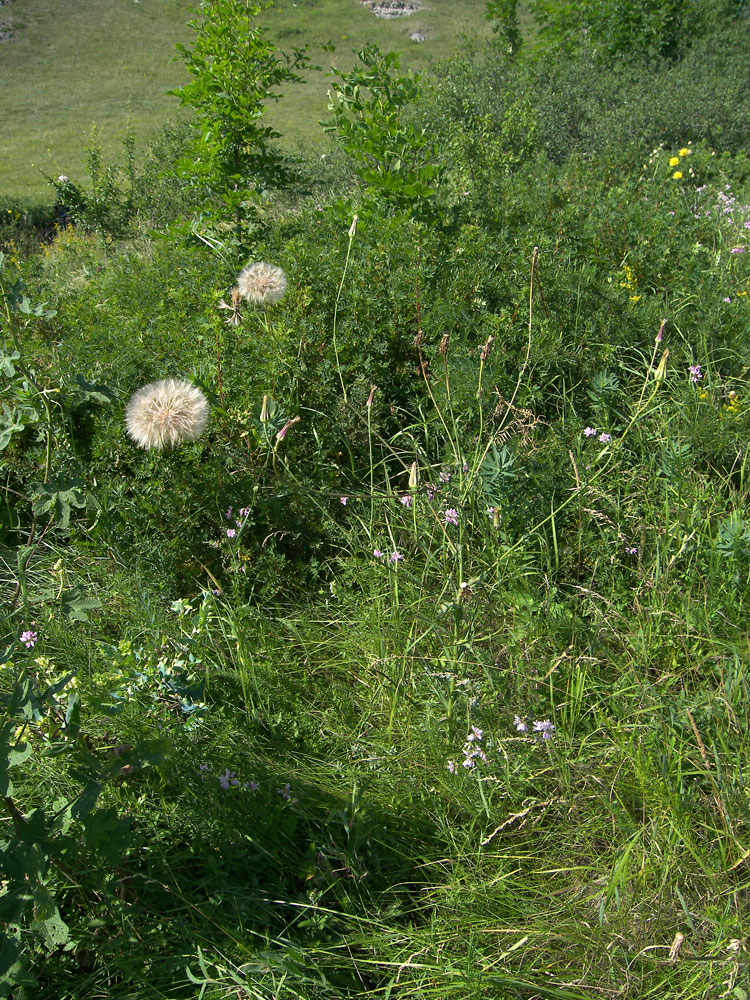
372, 470
352, 232
480, 458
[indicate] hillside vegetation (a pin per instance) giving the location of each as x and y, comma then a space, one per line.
375, 535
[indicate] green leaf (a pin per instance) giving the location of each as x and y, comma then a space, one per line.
10, 424
18, 754
6, 362
57, 497
92, 392
75, 604
48, 923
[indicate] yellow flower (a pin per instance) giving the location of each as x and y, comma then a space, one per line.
677, 174
684, 151
674, 161
636, 298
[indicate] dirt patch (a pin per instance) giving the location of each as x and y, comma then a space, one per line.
392, 8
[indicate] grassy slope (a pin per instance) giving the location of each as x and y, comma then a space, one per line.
70, 66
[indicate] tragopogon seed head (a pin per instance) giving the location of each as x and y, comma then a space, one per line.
165, 414
262, 284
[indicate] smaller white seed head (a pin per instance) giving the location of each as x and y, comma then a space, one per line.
262, 284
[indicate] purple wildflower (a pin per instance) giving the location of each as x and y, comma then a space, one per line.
520, 724
452, 766
589, 432
405, 500
396, 556
451, 516
229, 514
228, 778
231, 533
244, 511
696, 373
285, 792
738, 249
605, 438
544, 727
445, 477
726, 299
344, 500
29, 639
378, 554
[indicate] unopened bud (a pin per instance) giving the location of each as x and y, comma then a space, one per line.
485, 352
413, 476
660, 334
353, 228
264, 411
372, 393
285, 429
444, 341
661, 372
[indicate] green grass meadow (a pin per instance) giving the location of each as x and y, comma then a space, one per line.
108, 64
375, 535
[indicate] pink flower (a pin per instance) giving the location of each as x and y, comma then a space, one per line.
396, 556
231, 533
451, 516
604, 438
405, 500
378, 554
29, 639
589, 432
344, 500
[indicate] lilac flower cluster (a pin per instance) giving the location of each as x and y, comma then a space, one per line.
696, 373
395, 556
239, 521
592, 431
228, 779
29, 638
543, 726
472, 751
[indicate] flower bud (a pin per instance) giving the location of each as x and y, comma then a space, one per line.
661, 372
413, 476
264, 411
285, 429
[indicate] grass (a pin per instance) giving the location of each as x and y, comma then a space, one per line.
107, 63
314, 673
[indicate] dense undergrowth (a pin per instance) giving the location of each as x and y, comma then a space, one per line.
440, 690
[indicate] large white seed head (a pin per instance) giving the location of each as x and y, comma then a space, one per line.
166, 414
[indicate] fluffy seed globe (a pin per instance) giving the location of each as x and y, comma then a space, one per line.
262, 284
166, 414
